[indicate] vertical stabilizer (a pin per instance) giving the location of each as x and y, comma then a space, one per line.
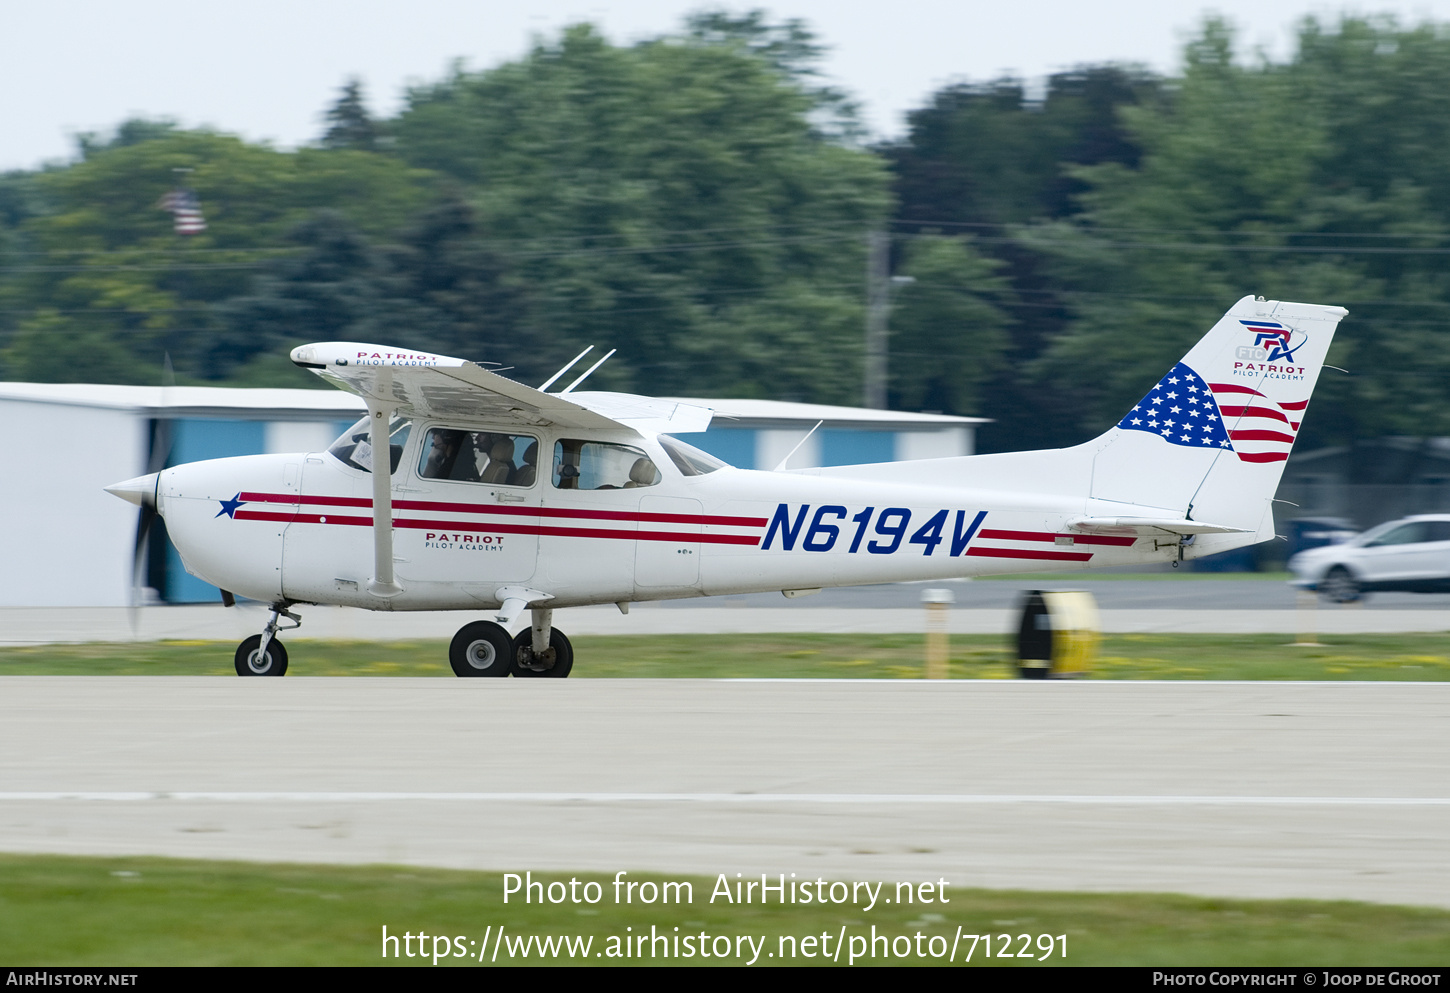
1209, 441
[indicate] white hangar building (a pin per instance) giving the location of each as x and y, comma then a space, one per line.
70, 544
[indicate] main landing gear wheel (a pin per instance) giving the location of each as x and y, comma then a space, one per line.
526, 665
481, 649
1340, 586
251, 662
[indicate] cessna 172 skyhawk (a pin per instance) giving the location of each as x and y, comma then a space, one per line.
502, 498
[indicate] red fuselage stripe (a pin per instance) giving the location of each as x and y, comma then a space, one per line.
453, 527
510, 510
1077, 539
325, 501
1263, 456
561, 532
1025, 553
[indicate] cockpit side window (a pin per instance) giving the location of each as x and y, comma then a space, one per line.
355, 447
495, 458
595, 465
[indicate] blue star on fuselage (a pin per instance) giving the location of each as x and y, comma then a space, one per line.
229, 507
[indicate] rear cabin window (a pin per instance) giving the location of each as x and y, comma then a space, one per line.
594, 465
689, 459
492, 457
355, 447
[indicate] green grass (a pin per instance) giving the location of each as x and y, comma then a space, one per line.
73, 911
1415, 657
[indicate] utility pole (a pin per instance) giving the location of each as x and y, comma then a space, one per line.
878, 305
879, 283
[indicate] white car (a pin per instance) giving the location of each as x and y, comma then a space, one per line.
1411, 555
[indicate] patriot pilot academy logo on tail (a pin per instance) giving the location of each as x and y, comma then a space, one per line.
1185, 410
1273, 342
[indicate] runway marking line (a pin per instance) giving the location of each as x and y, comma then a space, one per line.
283, 796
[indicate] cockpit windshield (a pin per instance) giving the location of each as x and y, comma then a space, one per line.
355, 447
689, 459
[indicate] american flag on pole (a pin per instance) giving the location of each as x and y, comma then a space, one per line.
1186, 411
185, 210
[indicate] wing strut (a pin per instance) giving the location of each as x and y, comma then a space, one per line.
380, 416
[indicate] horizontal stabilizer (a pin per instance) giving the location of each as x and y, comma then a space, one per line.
1147, 526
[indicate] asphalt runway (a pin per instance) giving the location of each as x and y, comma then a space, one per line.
1170, 605
1236, 789
1186, 591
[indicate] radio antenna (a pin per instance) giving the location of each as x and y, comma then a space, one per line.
797, 447
581, 379
566, 368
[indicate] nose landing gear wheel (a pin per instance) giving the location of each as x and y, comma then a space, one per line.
481, 649
251, 662
527, 666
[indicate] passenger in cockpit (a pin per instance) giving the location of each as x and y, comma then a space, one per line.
525, 474
500, 460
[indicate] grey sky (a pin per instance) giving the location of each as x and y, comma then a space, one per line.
269, 68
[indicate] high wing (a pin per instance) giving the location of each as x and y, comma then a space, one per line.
422, 384
426, 385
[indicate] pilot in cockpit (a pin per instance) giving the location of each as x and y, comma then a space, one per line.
441, 457
472, 457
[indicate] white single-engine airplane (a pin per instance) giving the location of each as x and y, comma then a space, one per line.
501, 498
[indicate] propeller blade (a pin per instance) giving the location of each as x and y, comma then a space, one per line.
162, 427
161, 433
161, 441
144, 520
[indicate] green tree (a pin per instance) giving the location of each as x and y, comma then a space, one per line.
321, 294
1271, 179
454, 294
792, 50
105, 259
985, 154
20, 200
46, 346
986, 157
670, 198
349, 123
948, 328
132, 131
